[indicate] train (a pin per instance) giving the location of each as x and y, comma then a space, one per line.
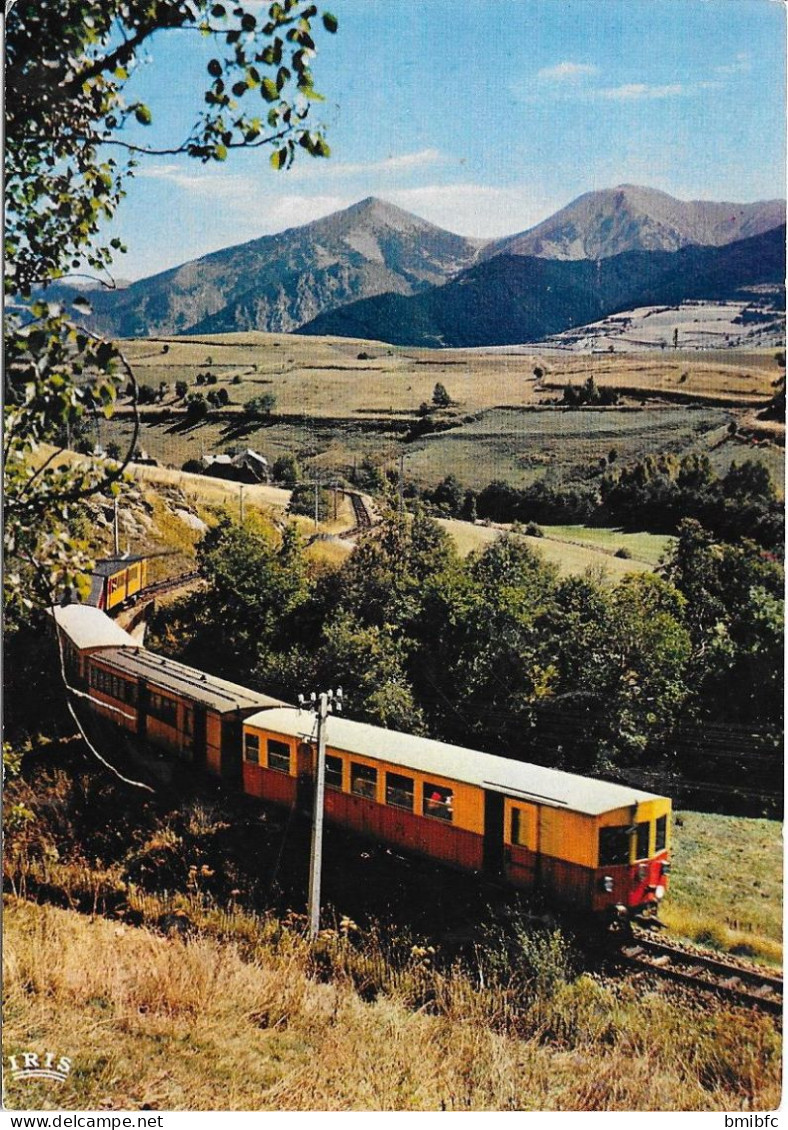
600, 849
116, 580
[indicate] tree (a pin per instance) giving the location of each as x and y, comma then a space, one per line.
67, 66
286, 470
254, 585
181, 388
440, 397
218, 397
261, 405
196, 407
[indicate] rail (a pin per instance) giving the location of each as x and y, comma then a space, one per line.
745, 985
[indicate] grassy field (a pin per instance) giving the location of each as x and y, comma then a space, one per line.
339, 401
726, 885
567, 547
521, 446
330, 377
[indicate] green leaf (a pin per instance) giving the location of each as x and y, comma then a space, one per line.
279, 158
269, 90
330, 22
220, 152
143, 115
214, 68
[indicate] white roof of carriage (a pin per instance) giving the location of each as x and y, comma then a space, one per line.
89, 627
534, 783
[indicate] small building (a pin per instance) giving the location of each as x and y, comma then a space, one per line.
245, 467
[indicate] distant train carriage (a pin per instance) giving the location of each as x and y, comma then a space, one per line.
181, 711
589, 844
115, 580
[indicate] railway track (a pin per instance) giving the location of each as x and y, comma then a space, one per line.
168, 584
363, 520
756, 988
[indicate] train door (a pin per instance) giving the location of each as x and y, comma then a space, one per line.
305, 771
231, 770
493, 846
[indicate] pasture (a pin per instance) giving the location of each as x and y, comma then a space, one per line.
573, 549
349, 377
338, 402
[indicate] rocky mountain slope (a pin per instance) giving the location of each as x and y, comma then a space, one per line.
321, 274
601, 224
278, 282
517, 298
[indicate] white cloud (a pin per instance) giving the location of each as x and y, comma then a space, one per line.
636, 91
742, 64
566, 71
476, 210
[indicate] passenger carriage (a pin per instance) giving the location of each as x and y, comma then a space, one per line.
596, 847
589, 844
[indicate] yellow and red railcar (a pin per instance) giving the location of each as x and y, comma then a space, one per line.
591, 845
597, 847
115, 580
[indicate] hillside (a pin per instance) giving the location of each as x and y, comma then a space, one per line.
242, 1014
373, 248
280, 281
609, 222
515, 298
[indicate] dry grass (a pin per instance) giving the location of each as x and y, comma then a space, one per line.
323, 376
247, 1025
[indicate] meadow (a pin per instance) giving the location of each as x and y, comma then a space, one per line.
341, 401
243, 1012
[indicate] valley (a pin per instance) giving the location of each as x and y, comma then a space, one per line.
340, 402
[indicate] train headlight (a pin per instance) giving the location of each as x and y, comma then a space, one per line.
607, 884
666, 868
659, 893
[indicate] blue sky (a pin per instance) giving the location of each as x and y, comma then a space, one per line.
484, 117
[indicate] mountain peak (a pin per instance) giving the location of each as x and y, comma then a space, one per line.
631, 217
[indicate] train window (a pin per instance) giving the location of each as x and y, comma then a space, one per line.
438, 801
252, 748
188, 721
661, 841
399, 791
163, 708
641, 846
520, 828
363, 780
278, 756
333, 772
613, 846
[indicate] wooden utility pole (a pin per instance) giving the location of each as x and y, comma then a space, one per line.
401, 485
115, 529
322, 703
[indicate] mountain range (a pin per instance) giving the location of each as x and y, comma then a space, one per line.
374, 270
